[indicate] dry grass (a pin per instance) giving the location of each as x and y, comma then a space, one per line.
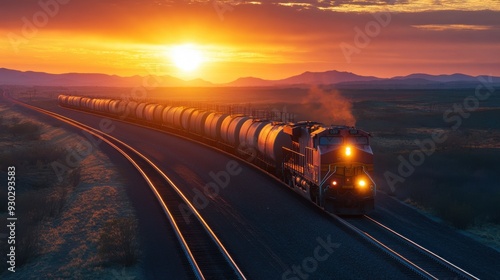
20, 130
62, 222
489, 233
27, 240
77, 235
35, 206
32, 154
25, 131
118, 242
457, 183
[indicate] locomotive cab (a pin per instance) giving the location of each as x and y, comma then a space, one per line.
346, 168
332, 166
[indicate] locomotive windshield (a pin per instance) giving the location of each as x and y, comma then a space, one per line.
338, 140
330, 140
357, 140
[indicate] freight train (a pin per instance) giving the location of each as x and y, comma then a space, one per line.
331, 166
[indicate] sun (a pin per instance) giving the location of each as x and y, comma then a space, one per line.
186, 57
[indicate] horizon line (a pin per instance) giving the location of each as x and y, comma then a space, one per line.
246, 77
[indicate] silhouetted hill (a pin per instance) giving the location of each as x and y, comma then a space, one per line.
31, 78
325, 78
438, 78
425, 81
249, 82
306, 78
340, 79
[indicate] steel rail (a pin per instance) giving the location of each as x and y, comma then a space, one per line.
400, 257
182, 240
386, 249
426, 251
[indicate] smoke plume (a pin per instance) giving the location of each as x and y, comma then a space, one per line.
328, 107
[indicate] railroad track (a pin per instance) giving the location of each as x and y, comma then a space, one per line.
205, 253
421, 261
415, 257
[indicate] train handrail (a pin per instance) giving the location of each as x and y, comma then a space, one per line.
327, 176
371, 179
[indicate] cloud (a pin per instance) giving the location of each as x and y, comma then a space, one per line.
401, 5
456, 27
270, 39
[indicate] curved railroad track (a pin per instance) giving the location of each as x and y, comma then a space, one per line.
207, 256
421, 261
413, 256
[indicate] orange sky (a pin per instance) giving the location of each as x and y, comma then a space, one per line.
268, 39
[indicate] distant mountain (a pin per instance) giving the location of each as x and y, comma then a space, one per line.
438, 78
424, 81
325, 78
249, 82
348, 79
340, 79
306, 78
31, 78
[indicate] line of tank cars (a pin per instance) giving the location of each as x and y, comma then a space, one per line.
330, 165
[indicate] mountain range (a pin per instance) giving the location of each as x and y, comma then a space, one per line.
341, 79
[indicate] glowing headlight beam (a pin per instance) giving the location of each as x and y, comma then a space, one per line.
347, 151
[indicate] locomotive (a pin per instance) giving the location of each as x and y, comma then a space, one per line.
331, 166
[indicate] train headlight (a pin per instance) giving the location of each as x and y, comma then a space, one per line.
348, 151
334, 183
362, 184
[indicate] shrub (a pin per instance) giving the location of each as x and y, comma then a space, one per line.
27, 241
26, 130
459, 214
41, 153
117, 242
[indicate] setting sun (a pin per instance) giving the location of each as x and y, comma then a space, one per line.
186, 57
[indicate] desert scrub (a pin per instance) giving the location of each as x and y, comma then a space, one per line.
62, 213
21, 130
30, 154
34, 207
25, 131
33, 159
40, 204
118, 242
39, 196
458, 186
